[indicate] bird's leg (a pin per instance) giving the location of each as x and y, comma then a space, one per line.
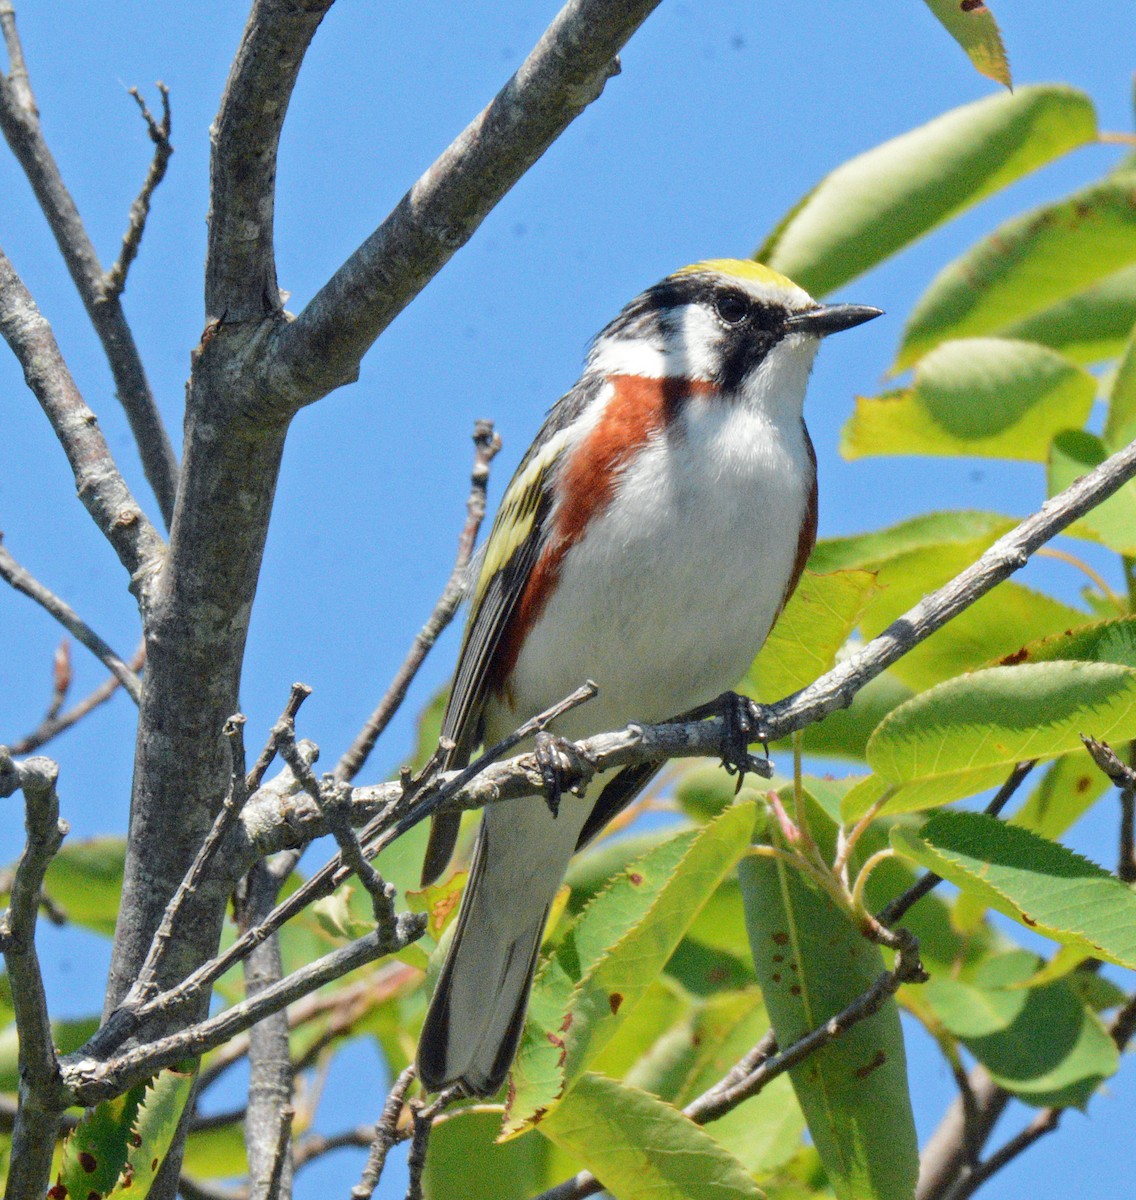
562, 768
744, 722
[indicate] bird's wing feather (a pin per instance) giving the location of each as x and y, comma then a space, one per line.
520, 531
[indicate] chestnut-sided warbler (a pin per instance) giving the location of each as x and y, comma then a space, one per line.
648, 541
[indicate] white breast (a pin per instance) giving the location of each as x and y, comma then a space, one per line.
670, 594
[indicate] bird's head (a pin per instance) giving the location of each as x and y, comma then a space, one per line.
734, 324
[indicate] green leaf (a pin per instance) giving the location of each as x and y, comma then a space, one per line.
663, 1006
1112, 641
845, 733
974, 28
85, 880
918, 794
1075, 453
875, 204
803, 644
1089, 326
959, 527
216, 1153
591, 871
1038, 883
512, 1170
641, 1148
1027, 265
67, 1037
1043, 1044
1120, 427
610, 957
1004, 716
118, 1146
1067, 790
811, 963
987, 397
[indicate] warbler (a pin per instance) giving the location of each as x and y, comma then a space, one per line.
648, 540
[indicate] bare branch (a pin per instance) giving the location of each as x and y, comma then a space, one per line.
88, 1080
115, 279
240, 267
385, 1136
19, 121
487, 443
24, 581
98, 481
39, 1113
960, 1136
52, 726
278, 1182
564, 73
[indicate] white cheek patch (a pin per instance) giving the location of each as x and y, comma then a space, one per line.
690, 348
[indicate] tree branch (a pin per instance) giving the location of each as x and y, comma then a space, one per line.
19, 121
39, 1114
98, 482
385, 1136
240, 264
564, 73
23, 581
115, 279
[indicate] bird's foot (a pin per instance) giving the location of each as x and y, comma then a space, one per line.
743, 722
562, 769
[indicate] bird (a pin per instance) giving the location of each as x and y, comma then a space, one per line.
648, 540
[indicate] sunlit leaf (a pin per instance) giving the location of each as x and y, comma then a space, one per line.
1069, 787
972, 25
1038, 883
513, 1170
1120, 427
986, 397
877, 203
1075, 453
1027, 265
85, 880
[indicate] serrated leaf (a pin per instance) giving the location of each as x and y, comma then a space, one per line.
1043, 1044
974, 28
1074, 453
982, 396
811, 963
608, 960
1120, 425
641, 1148
803, 644
1089, 326
880, 201
155, 1124
1038, 883
1026, 265
1004, 716
1069, 788
1111, 641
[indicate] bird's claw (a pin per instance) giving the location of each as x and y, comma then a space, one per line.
562, 768
743, 722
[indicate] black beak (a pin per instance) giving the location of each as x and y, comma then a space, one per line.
831, 318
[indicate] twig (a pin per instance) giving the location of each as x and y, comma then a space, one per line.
299, 693
23, 581
115, 279
385, 1136
38, 1116
61, 677
98, 481
271, 1187
894, 911
87, 1080
1124, 776
19, 122
51, 727
423, 1122
486, 444
564, 73
329, 877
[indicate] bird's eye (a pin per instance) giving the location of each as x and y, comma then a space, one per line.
731, 308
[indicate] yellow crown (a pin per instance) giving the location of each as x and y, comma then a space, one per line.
740, 268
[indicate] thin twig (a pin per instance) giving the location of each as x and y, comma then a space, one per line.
486, 444
423, 1123
385, 1136
61, 678
296, 697
114, 281
894, 911
53, 726
24, 581
19, 122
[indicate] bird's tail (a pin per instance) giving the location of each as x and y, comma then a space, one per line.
476, 1014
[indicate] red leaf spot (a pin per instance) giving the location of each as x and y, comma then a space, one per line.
795, 990
779, 958
556, 1041
793, 967
94, 1196
717, 974
153, 1164
1028, 920
59, 1192
88, 1162
777, 977
971, 5
866, 1070
635, 878
615, 1000
136, 1140
780, 939
566, 1024
1082, 784
1011, 660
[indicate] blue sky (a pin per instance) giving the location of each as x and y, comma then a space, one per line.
723, 116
